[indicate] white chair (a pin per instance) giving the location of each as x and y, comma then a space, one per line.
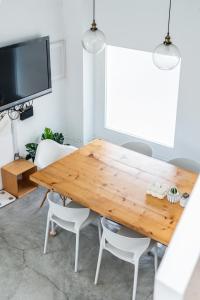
126, 245
186, 163
72, 218
49, 151
139, 147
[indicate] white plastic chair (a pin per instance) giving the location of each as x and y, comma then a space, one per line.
126, 245
49, 151
72, 218
139, 147
186, 163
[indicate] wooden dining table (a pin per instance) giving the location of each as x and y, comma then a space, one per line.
113, 182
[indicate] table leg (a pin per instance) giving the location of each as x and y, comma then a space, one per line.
44, 199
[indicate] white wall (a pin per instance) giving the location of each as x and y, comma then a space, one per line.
192, 291
178, 275
26, 19
88, 97
6, 143
72, 14
79, 84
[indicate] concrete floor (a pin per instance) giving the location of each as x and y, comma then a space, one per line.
27, 274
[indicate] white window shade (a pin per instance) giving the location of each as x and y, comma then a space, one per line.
141, 100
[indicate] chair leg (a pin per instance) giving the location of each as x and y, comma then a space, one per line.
135, 280
98, 265
63, 199
53, 231
99, 229
76, 252
155, 251
44, 199
46, 236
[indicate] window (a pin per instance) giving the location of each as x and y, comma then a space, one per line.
141, 100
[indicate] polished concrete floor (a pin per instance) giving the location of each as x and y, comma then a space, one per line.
27, 274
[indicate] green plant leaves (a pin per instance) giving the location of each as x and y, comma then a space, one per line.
174, 190
58, 137
48, 134
31, 148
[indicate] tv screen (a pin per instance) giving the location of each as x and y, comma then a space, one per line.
25, 72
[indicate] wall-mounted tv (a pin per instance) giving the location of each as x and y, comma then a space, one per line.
25, 72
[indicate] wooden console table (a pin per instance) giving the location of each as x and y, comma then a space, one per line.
15, 177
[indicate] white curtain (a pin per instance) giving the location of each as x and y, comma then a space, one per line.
6, 144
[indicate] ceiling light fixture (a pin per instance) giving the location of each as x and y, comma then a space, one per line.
166, 56
94, 39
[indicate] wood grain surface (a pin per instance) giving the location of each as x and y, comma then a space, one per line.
113, 181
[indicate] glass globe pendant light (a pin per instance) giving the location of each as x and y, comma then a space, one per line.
94, 39
166, 56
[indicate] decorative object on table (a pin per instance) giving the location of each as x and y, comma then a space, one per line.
184, 199
166, 56
173, 195
48, 134
158, 190
94, 39
15, 177
6, 198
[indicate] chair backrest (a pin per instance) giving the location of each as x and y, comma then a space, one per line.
128, 244
139, 147
75, 215
186, 163
49, 151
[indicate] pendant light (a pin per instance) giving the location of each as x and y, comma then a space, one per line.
94, 39
166, 56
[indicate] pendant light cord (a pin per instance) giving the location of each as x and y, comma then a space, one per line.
169, 18
94, 9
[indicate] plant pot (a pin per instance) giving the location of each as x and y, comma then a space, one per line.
173, 198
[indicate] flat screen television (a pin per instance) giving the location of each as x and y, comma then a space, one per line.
25, 72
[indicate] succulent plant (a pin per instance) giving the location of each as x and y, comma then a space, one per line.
174, 190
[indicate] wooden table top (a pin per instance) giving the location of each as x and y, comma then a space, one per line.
113, 181
18, 166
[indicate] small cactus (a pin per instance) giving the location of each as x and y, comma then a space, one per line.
174, 190
173, 195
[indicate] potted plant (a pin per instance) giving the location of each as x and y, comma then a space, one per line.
48, 134
173, 195
31, 149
